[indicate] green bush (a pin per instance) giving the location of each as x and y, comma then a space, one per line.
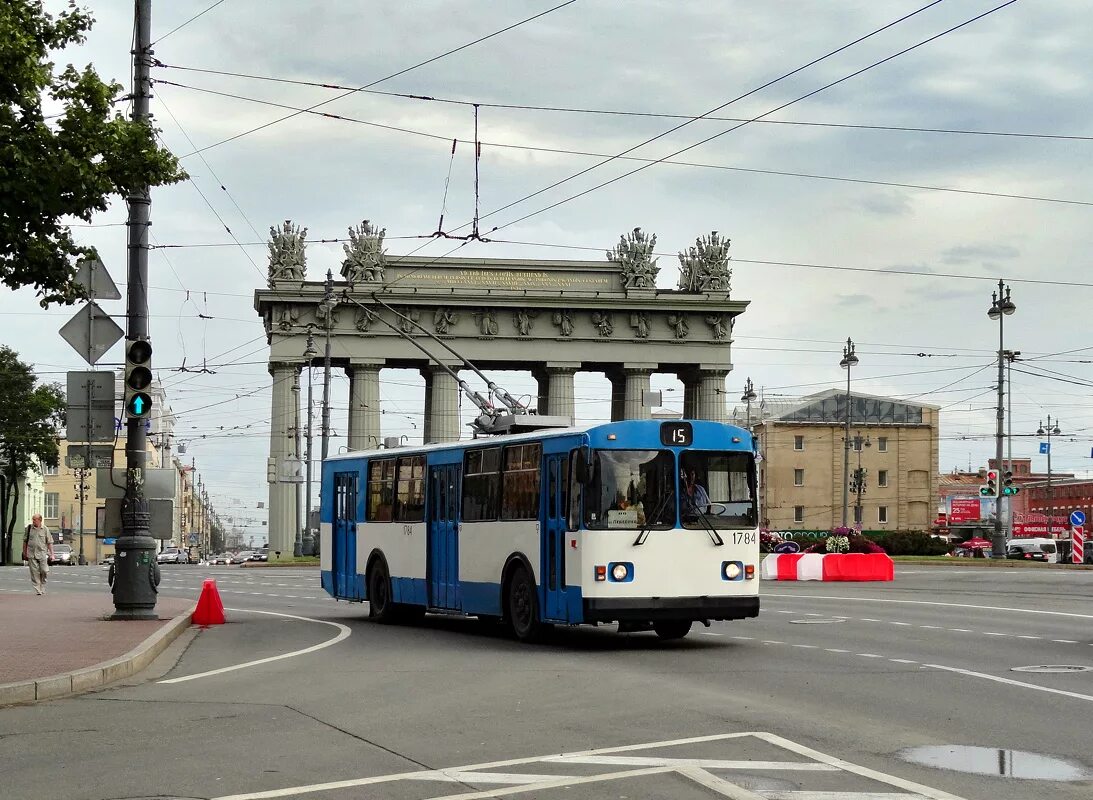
910, 543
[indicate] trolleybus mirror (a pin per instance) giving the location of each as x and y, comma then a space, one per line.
583, 467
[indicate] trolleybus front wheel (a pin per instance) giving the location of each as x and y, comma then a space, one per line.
672, 628
522, 607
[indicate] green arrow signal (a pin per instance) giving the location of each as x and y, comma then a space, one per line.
138, 405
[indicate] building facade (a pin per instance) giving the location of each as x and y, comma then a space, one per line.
894, 444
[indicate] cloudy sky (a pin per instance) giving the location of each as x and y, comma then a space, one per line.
1022, 212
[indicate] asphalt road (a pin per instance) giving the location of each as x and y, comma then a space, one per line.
815, 700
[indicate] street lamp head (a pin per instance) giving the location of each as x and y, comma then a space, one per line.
1055, 431
994, 312
1041, 431
1008, 306
849, 360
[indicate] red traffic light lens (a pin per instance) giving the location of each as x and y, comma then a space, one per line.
992, 475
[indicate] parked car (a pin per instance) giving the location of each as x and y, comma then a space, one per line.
242, 557
1032, 549
173, 555
62, 554
260, 555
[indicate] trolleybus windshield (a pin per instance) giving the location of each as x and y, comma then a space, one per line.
628, 488
717, 489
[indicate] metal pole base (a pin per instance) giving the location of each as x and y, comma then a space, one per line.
136, 573
307, 546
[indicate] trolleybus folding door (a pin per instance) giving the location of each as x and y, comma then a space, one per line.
443, 526
554, 537
344, 541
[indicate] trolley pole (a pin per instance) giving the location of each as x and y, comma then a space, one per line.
135, 570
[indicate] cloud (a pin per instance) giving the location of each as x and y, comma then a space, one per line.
886, 205
983, 254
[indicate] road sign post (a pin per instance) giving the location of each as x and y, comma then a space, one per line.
1077, 537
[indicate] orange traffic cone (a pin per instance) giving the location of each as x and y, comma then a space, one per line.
209, 611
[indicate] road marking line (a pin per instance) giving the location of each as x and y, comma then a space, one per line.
961, 630
560, 783
868, 619
903, 661
931, 627
807, 795
709, 633
1064, 641
771, 641
868, 655
992, 633
835, 650
892, 622
1011, 682
748, 638
343, 633
931, 603
865, 772
718, 784
1026, 636
808, 646
703, 763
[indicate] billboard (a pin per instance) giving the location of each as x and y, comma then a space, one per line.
1032, 524
964, 509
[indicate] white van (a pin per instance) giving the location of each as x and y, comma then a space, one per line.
1033, 549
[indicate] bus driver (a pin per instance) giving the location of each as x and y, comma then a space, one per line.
695, 499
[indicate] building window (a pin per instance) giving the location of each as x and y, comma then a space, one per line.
882, 514
48, 470
52, 505
798, 477
882, 444
882, 477
798, 442
857, 515
798, 513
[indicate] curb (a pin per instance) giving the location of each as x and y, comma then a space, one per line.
990, 563
82, 680
276, 564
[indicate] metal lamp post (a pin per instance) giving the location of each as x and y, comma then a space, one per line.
849, 361
307, 544
1001, 307
858, 484
1049, 431
748, 397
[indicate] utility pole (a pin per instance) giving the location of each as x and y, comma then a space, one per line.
1048, 431
1001, 307
135, 570
328, 300
298, 542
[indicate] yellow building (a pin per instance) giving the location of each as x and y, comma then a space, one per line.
893, 442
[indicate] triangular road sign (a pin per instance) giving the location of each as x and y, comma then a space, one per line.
96, 281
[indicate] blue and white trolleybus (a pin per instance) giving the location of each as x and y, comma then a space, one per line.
644, 523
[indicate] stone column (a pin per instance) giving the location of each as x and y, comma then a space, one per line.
560, 389
618, 395
441, 406
282, 495
711, 403
364, 405
426, 418
690, 394
636, 385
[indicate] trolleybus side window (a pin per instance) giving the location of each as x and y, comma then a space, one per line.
481, 484
381, 490
573, 499
410, 489
520, 481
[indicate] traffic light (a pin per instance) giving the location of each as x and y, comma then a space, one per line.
138, 377
991, 488
1008, 489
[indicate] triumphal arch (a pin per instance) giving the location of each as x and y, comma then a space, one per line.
554, 318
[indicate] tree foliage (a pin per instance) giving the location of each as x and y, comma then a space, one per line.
64, 165
31, 415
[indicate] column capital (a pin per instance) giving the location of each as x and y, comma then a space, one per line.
561, 366
284, 366
715, 369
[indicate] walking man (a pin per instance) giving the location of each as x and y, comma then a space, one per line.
38, 551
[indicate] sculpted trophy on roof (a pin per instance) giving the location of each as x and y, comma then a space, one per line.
364, 257
635, 253
705, 265
287, 259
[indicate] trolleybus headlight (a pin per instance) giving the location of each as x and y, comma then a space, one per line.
732, 570
619, 572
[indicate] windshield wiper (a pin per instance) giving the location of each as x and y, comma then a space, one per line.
643, 534
715, 537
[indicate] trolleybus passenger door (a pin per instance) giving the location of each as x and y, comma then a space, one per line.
554, 537
443, 526
344, 541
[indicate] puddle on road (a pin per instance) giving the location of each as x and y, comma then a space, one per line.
993, 761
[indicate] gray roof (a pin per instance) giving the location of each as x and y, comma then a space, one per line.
829, 407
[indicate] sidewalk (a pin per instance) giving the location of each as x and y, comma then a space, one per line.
60, 635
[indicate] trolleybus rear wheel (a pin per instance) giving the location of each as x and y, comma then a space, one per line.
522, 606
672, 628
380, 607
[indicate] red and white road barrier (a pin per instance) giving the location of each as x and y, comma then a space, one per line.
827, 567
1077, 541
